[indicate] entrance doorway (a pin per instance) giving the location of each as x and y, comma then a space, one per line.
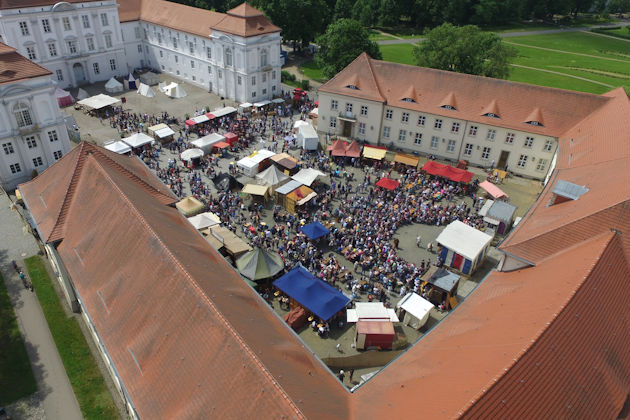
347, 129
503, 159
79, 73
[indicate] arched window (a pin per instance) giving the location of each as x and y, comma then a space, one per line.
263, 58
22, 115
228, 56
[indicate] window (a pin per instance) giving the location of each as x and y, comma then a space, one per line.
509, 138
22, 115
273, 88
472, 131
174, 43
112, 64
402, 135
333, 122
541, 165
8, 148
59, 74
434, 142
162, 66
264, 92
548, 146
364, 110
52, 49
90, 44
522, 161
253, 80
137, 32
239, 80
46, 26
362, 128
389, 114
57, 155
104, 20
176, 59
30, 52
15, 168
529, 142
263, 58
108, 40
159, 36
455, 128
485, 154
86, 21
491, 134
209, 52
264, 77
24, 28
386, 132
273, 75
161, 53
220, 74
145, 33
334, 104
191, 48
37, 161
418, 139
195, 78
140, 50
451, 146
192, 64
96, 69
66, 24
52, 136
438, 124
348, 108
228, 57
405, 117
210, 70
31, 142
468, 148
421, 120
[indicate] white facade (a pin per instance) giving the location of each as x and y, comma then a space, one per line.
33, 134
79, 43
524, 153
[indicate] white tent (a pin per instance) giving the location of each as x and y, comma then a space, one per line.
145, 90
299, 123
119, 147
175, 91
307, 176
150, 78
307, 137
99, 101
204, 220
417, 310
190, 154
113, 86
262, 103
223, 111
277, 101
371, 311
138, 139
463, 246
271, 176
164, 132
205, 143
162, 86
82, 95
248, 165
245, 107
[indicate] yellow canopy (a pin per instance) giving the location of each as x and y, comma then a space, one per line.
405, 159
374, 153
189, 206
253, 189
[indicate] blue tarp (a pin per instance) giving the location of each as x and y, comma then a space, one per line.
312, 293
315, 230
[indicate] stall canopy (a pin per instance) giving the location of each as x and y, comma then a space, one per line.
221, 112
164, 132
315, 230
371, 310
119, 147
262, 103
190, 154
99, 101
64, 98
254, 189
82, 94
285, 160
300, 196
197, 120
244, 106
463, 239
353, 149
447, 171
277, 101
259, 264
204, 220
299, 123
312, 293
221, 145
442, 279
150, 78
500, 214
288, 187
189, 206
406, 159
307, 176
232, 243
374, 152
271, 176
417, 310
130, 82
205, 143
493, 190
113, 86
338, 148
230, 138
138, 139
225, 182
145, 90
388, 183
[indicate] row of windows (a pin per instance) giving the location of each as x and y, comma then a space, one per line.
67, 26
71, 47
37, 162
31, 142
541, 165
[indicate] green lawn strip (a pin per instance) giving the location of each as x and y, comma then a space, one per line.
86, 379
378, 36
577, 42
398, 53
311, 70
519, 27
540, 78
618, 32
16, 376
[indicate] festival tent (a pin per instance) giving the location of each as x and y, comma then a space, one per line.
82, 94
417, 310
138, 140
406, 159
225, 182
113, 86
257, 161
370, 310
312, 293
500, 214
145, 90
493, 190
271, 176
307, 137
64, 98
190, 154
221, 112
286, 161
221, 145
299, 123
244, 107
353, 149
161, 131
441, 286
447, 171
374, 334
205, 143
175, 91
119, 147
130, 82
197, 120
388, 183
315, 230
374, 152
338, 148
259, 264
298, 197
262, 103
230, 138
463, 247
277, 101
98, 101
162, 86
204, 220
190, 206
149, 78
307, 176
254, 189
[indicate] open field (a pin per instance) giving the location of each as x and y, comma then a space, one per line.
311, 70
618, 32
398, 53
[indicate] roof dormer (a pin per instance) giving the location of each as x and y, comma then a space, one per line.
449, 102
409, 95
566, 191
491, 110
535, 118
352, 83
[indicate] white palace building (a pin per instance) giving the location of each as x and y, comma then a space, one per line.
234, 54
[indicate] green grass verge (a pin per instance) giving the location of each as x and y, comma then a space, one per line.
16, 376
86, 379
377, 36
539, 78
311, 70
398, 53
623, 33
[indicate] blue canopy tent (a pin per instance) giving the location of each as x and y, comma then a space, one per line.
312, 293
315, 230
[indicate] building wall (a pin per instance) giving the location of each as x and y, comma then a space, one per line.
35, 146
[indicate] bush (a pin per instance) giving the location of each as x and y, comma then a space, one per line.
305, 84
285, 76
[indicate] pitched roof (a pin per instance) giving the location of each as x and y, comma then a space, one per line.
358, 73
15, 67
16, 4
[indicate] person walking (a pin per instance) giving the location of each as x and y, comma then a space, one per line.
418, 240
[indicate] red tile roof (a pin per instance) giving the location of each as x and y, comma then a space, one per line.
15, 67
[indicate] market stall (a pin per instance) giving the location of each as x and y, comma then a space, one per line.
374, 152
440, 286
99, 101
162, 132
388, 183
493, 190
256, 162
500, 216
130, 82
255, 190
191, 155
284, 190
230, 138
406, 159
370, 310
307, 176
374, 334
414, 310
221, 112
190, 206
137, 140
119, 147
113, 86
205, 143
286, 163
64, 98
197, 120
259, 264
271, 176
463, 247
204, 220
307, 137
314, 230
447, 171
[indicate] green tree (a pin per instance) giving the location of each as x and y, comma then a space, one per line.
343, 41
343, 9
365, 11
464, 49
300, 20
496, 12
618, 6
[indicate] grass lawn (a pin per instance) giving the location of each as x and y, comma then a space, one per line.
86, 379
618, 32
398, 53
16, 377
519, 27
552, 80
311, 70
377, 36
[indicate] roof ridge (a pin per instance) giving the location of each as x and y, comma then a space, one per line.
378, 87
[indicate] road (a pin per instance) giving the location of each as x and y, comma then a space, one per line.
54, 390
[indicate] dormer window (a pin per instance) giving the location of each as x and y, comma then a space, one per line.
408, 100
566, 191
353, 87
491, 115
536, 123
452, 108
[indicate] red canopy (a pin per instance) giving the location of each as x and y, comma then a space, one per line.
221, 145
339, 148
342, 148
231, 138
353, 149
447, 171
210, 116
190, 122
388, 183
